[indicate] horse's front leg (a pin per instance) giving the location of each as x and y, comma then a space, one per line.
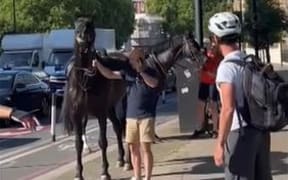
103, 146
79, 147
84, 136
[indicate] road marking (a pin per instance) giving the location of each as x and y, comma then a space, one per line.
54, 173
26, 153
44, 142
20, 132
64, 147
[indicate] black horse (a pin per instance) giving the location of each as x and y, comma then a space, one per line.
88, 92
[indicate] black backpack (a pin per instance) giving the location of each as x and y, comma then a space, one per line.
266, 95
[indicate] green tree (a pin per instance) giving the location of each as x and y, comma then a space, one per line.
44, 15
179, 15
271, 23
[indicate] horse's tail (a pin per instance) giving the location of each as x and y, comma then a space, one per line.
66, 111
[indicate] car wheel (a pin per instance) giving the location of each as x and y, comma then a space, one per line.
45, 107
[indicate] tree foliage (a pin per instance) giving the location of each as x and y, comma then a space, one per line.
179, 15
44, 15
271, 22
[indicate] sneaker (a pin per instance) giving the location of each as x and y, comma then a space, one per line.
213, 134
197, 133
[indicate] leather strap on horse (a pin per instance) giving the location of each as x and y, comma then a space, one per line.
158, 64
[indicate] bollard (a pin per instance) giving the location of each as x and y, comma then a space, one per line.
53, 118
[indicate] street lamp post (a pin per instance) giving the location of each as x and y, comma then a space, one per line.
199, 21
14, 16
255, 23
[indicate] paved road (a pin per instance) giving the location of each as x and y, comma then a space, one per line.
29, 155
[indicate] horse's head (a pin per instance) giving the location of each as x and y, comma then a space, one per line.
84, 34
192, 50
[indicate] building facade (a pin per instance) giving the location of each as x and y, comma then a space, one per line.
139, 6
148, 31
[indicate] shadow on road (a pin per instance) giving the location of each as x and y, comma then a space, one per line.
185, 137
205, 165
14, 142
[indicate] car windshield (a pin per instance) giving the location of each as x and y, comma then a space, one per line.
6, 81
15, 59
60, 58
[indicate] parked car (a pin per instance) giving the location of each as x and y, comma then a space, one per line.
23, 90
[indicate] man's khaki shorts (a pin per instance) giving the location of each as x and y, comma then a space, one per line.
140, 130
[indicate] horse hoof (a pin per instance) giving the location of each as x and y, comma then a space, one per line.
105, 177
88, 150
127, 167
119, 164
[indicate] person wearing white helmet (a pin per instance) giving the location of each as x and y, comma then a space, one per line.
243, 151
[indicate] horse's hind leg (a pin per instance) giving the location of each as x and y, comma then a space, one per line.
79, 148
84, 137
103, 146
118, 130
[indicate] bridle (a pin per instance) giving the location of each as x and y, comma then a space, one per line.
85, 75
181, 50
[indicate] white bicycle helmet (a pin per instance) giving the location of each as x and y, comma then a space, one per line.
224, 24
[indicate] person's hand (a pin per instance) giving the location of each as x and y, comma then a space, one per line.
27, 120
219, 155
94, 63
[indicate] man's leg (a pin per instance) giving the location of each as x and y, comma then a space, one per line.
214, 109
148, 159
203, 95
132, 138
263, 164
147, 135
215, 115
136, 159
240, 154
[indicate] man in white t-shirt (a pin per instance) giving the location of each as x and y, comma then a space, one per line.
241, 149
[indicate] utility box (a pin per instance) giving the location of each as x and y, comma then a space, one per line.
187, 75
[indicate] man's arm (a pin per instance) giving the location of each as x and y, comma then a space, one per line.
109, 74
5, 112
226, 113
26, 119
149, 80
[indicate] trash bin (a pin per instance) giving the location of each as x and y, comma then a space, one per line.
187, 75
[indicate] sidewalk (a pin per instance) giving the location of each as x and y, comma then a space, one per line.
178, 158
